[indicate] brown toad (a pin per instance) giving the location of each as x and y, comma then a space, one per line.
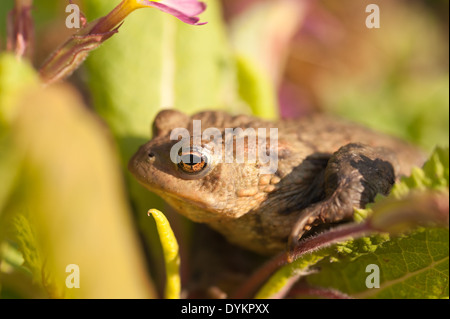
326, 168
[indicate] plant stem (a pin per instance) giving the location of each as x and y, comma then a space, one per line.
115, 17
307, 246
20, 29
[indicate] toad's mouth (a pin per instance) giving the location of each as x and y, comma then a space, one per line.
197, 207
187, 206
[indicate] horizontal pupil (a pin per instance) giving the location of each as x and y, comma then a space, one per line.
191, 159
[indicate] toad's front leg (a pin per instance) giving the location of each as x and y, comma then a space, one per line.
354, 175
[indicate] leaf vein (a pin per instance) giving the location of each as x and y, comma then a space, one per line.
400, 280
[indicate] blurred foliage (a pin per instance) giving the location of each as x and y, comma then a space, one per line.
68, 210
394, 78
66, 196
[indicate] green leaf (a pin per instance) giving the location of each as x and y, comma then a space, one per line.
11, 256
256, 89
70, 209
26, 239
412, 266
16, 78
434, 175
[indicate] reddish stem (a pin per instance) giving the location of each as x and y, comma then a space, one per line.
307, 246
304, 289
20, 29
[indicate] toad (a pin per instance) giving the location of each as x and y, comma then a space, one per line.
325, 168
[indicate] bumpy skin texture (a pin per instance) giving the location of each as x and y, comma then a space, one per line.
326, 168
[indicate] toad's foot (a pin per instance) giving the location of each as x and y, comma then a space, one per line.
354, 175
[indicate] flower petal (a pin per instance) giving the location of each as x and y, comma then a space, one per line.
185, 10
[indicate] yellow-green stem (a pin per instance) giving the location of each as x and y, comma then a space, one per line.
171, 255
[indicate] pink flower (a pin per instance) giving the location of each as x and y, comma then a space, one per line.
185, 10
70, 55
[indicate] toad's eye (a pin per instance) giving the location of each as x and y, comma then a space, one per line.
193, 162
